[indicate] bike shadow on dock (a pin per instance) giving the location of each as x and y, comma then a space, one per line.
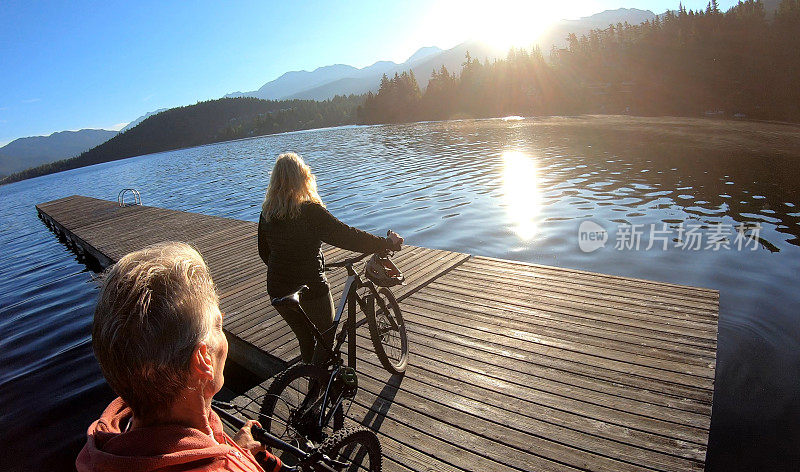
380, 407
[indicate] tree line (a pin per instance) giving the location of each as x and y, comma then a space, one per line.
740, 63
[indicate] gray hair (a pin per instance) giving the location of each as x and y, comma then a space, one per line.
153, 311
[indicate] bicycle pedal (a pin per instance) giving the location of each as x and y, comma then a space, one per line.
346, 383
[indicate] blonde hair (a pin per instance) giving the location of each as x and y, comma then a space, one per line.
290, 185
154, 309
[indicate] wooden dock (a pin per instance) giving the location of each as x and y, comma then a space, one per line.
513, 366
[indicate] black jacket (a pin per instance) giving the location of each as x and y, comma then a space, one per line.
291, 248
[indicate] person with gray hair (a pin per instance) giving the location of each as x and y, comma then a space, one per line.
157, 335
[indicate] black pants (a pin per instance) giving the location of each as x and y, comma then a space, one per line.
320, 311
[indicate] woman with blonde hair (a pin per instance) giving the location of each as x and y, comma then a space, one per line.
291, 229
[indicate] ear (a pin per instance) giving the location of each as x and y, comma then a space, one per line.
201, 362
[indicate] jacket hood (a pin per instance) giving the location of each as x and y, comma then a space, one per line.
154, 448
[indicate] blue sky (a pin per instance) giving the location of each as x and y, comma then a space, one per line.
92, 64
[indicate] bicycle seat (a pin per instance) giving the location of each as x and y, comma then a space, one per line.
292, 299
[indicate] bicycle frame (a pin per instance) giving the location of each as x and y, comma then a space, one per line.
351, 300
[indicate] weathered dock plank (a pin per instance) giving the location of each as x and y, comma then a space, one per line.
513, 366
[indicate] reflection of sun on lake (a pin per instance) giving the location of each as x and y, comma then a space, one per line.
522, 194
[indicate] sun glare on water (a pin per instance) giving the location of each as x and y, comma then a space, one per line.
522, 193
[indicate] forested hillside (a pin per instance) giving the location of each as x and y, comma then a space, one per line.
209, 122
734, 64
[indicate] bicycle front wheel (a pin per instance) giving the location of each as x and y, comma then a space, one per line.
293, 403
388, 332
358, 449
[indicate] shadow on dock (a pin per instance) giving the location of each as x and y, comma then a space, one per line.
512, 366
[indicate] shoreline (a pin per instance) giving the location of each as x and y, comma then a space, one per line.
584, 118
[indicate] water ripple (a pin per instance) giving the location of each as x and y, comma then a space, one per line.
449, 185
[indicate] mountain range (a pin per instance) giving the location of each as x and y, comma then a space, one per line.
320, 84
340, 79
33, 151
557, 34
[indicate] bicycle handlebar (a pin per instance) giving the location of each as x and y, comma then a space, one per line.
352, 260
345, 262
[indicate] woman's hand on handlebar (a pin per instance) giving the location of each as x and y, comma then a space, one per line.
395, 239
244, 438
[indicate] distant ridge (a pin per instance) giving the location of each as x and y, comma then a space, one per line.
340, 79
293, 81
24, 153
422, 68
556, 35
140, 119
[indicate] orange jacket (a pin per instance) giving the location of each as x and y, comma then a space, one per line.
160, 448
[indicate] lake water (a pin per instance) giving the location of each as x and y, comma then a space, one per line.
515, 189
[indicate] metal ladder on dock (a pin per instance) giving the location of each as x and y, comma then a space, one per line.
137, 198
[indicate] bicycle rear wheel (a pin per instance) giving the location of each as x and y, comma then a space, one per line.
388, 332
292, 405
357, 447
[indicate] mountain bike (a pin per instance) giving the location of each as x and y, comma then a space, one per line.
348, 449
305, 401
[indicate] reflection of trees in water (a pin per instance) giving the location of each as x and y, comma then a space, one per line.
707, 180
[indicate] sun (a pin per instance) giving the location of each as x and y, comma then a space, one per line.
500, 24
508, 24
